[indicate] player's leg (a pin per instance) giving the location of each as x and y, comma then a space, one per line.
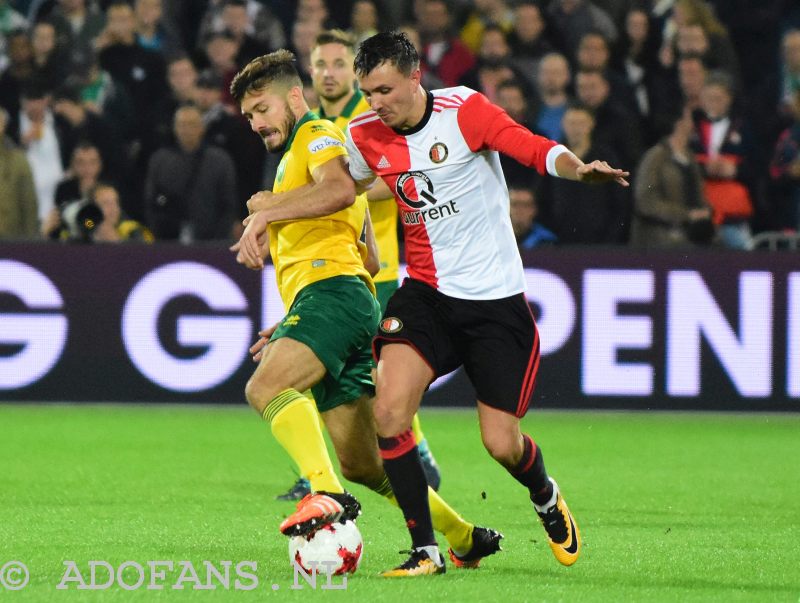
523, 459
287, 368
351, 427
502, 360
384, 291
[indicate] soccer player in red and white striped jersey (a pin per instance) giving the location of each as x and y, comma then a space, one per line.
464, 302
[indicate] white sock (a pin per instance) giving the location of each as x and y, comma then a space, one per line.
433, 553
549, 503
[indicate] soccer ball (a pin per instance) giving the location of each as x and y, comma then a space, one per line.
335, 547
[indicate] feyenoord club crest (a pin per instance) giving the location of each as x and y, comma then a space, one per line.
391, 325
438, 152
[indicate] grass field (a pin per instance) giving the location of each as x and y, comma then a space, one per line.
671, 507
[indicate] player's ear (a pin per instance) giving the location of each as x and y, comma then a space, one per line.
416, 77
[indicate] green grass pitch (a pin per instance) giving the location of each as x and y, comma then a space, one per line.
672, 507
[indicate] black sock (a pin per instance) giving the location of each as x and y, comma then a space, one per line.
404, 469
530, 472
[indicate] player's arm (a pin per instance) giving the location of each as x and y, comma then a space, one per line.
379, 191
487, 126
332, 191
373, 261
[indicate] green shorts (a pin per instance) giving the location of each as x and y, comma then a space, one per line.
384, 290
337, 318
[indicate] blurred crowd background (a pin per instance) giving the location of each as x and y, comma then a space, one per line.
119, 112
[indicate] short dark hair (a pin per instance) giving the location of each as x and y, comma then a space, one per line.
278, 67
393, 47
336, 36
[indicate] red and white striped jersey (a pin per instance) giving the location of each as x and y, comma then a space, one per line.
446, 177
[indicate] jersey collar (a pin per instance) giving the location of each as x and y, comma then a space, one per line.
307, 117
422, 122
347, 112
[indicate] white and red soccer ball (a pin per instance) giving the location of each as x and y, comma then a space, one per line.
334, 548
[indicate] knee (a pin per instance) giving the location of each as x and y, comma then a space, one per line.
258, 395
503, 448
389, 420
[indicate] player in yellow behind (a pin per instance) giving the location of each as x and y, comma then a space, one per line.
324, 342
334, 81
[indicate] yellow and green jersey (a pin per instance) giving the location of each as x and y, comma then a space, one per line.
383, 212
310, 250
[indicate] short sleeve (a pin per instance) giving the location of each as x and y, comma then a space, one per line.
323, 142
359, 169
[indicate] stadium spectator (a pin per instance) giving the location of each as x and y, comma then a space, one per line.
231, 133
77, 25
236, 20
155, 33
529, 38
259, 22
40, 133
512, 96
785, 172
494, 64
571, 19
363, 20
303, 35
497, 13
577, 214
18, 206
84, 173
114, 227
692, 74
721, 144
789, 83
552, 81
50, 63
694, 40
637, 60
429, 79
670, 209
594, 54
10, 21
182, 80
190, 187
83, 125
528, 232
615, 126
18, 71
443, 54
139, 72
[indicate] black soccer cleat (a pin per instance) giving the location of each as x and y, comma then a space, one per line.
298, 491
485, 542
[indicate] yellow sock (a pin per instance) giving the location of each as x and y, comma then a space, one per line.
295, 424
417, 429
456, 530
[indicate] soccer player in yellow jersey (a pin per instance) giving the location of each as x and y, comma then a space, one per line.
323, 343
334, 81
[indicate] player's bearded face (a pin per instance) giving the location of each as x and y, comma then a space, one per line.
275, 137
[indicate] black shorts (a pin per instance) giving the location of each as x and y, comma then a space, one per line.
495, 340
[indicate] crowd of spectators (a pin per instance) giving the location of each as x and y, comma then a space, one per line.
127, 102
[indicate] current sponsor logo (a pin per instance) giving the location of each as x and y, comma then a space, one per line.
416, 190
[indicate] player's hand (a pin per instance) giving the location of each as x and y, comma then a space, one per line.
599, 171
257, 349
261, 200
250, 248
